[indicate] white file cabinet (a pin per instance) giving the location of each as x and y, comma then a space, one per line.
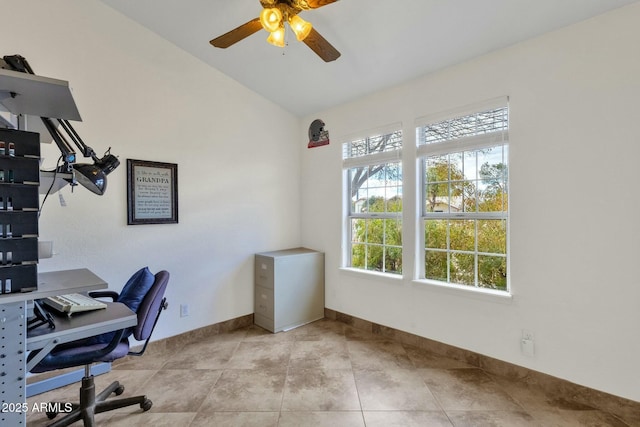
289, 288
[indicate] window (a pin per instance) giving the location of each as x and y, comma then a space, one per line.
373, 172
464, 171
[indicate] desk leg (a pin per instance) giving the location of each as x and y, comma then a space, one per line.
13, 347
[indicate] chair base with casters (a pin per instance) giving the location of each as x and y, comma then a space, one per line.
106, 348
90, 404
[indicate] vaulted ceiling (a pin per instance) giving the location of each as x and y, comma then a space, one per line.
383, 43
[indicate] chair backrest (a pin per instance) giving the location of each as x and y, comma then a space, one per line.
150, 305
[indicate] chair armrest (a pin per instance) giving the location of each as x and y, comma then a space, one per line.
104, 294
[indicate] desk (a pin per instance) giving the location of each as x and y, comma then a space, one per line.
58, 283
114, 317
14, 340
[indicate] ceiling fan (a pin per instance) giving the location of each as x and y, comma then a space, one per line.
273, 17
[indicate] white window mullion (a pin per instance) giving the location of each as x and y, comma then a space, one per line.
372, 159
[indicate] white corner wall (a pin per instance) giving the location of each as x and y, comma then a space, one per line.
575, 232
237, 155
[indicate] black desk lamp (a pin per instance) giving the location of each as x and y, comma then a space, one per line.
91, 176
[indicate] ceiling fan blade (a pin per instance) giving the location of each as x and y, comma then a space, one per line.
321, 46
314, 4
237, 34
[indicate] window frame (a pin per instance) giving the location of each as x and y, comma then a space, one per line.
462, 145
368, 159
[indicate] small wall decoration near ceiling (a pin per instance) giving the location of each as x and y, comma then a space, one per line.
318, 136
152, 192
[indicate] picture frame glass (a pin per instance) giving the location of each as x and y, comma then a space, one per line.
152, 193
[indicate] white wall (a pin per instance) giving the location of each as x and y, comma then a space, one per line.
574, 228
574, 151
237, 156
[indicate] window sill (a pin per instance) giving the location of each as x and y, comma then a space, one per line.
468, 291
372, 274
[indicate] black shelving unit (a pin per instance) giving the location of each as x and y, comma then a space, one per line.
19, 181
28, 97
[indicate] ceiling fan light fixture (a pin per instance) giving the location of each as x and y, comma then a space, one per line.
276, 37
273, 18
270, 18
300, 27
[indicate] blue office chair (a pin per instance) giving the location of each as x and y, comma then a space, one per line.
143, 294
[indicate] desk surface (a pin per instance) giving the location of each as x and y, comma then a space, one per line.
59, 283
82, 325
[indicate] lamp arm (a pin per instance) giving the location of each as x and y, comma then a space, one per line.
19, 63
84, 148
93, 177
68, 154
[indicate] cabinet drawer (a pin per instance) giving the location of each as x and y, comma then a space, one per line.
18, 223
16, 251
19, 278
264, 302
264, 271
18, 197
25, 144
19, 170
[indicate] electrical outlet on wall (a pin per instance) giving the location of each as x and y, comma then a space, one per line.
184, 310
527, 343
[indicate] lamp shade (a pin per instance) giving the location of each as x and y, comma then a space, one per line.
91, 177
94, 177
270, 19
300, 27
276, 37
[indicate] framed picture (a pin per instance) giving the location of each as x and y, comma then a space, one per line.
152, 192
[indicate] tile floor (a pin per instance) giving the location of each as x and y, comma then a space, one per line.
322, 374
